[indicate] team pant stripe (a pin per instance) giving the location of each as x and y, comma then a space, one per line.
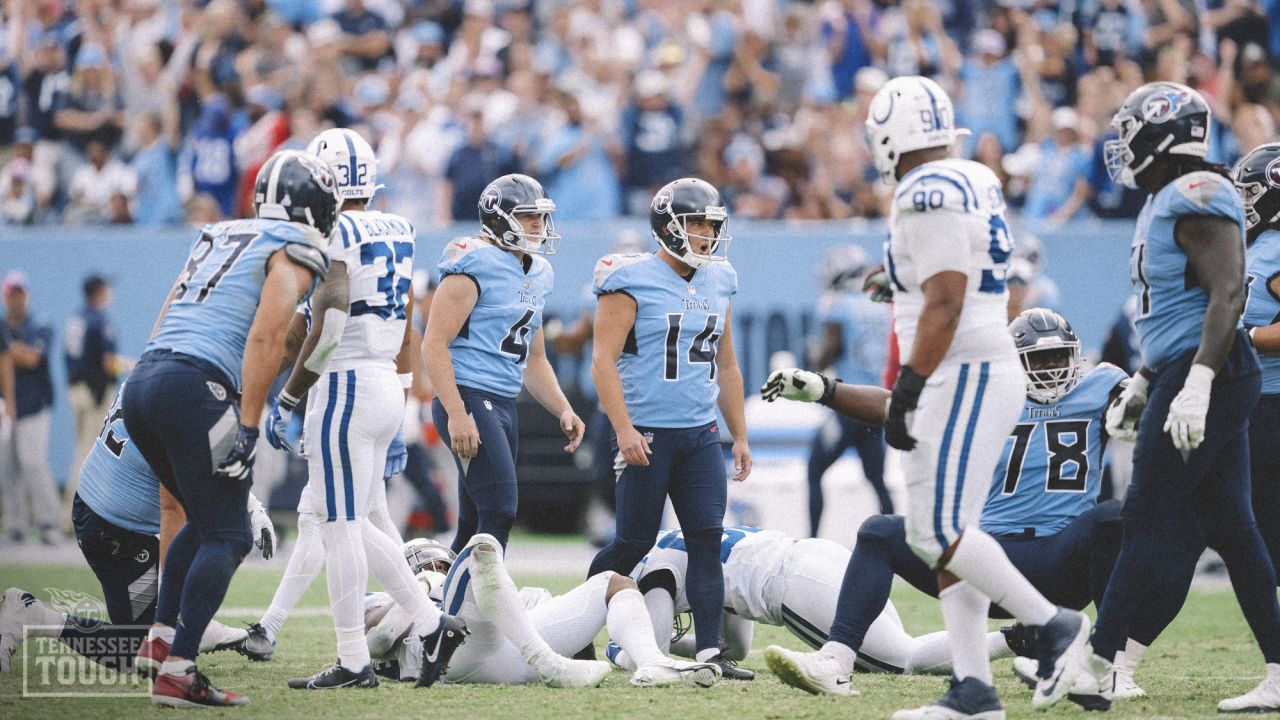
968, 443
880, 664
457, 572
811, 634
940, 481
348, 482
326, 454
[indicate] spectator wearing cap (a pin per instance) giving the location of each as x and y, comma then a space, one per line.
653, 133
473, 165
576, 167
103, 190
990, 87
155, 167
90, 344
27, 492
1060, 182
92, 107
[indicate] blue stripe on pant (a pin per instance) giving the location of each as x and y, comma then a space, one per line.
943, 452
984, 371
325, 454
344, 452
348, 481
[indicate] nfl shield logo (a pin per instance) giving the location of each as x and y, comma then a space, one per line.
217, 390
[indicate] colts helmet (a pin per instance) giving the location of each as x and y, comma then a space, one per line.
297, 187
512, 195
674, 205
353, 162
842, 269
1157, 119
426, 554
1050, 353
908, 113
1257, 177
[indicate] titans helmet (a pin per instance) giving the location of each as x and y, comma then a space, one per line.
680, 201
354, 164
297, 187
1050, 353
1156, 120
1257, 177
512, 195
909, 113
426, 554
842, 268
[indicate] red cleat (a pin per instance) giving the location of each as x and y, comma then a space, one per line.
191, 689
151, 654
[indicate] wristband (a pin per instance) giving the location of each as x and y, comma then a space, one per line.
1139, 383
287, 401
828, 390
406, 380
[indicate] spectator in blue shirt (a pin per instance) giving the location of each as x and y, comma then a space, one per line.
474, 164
211, 152
367, 35
156, 166
90, 343
576, 168
844, 36
653, 136
27, 492
991, 86
1060, 182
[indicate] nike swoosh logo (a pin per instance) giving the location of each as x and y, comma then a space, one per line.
461, 244
606, 261
1194, 185
843, 681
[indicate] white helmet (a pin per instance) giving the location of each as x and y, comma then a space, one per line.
908, 113
352, 160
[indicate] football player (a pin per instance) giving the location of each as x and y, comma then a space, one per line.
663, 360
959, 391
194, 402
1188, 405
485, 329
522, 636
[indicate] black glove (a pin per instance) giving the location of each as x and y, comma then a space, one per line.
239, 462
906, 393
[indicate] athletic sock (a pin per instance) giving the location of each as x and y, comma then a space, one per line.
629, 626
662, 613
1129, 658
842, 653
964, 612
162, 632
304, 565
353, 652
386, 561
176, 667
347, 578
497, 598
931, 653
980, 561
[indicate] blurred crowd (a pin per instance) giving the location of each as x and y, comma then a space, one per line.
161, 111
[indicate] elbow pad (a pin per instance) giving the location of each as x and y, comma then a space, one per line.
309, 257
335, 322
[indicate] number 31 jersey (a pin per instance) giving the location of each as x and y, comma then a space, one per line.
491, 350
377, 249
668, 363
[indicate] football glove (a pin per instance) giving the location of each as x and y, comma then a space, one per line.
397, 456
264, 533
878, 286
905, 397
797, 384
1125, 411
238, 464
1185, 422
284, 426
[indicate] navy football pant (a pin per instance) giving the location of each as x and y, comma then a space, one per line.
487, 496
182, 416
833, 438
1264, 463
687, 465
1175, 507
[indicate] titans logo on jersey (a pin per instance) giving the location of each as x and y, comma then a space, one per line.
377, 249
1051, 469
668, 364
491, 350
1171, 305
216, 297
117, 483
1262, 263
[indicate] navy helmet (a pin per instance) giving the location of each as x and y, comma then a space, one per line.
1257, 176
297, 187
1050, 353
1156, 120
512, 195
680, 201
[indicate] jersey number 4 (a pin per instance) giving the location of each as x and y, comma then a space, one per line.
702, 351
516, 343
1067, 442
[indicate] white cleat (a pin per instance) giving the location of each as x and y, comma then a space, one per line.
1094, 686
220, 637
14, 614
675, 672
1264, 698
1024, 668
577, 674
1125, 688
812, 672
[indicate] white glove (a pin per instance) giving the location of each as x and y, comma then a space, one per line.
796, 384
264, 533
1125, 411
1185, 423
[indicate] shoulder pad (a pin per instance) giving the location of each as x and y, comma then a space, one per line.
606, 274
1204, 193
458, 249
941, 188
309, 257
1108, 374
731, 276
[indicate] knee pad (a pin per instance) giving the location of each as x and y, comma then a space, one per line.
881, 528
660, 579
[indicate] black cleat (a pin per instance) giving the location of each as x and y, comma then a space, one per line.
1021, 639
257, 647
335, 676
438, 648
586, 653
967, 698
729, 669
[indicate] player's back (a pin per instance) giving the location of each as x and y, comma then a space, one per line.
217, 294
116, 482
377, 249
949, 214
1263, 307
1050, 471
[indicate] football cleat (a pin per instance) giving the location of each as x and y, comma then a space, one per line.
675, 672
219, 637
1060, 648
729, 669
812, 672
1094, 686
151, 654
257, 646
438, 648
335, 676
576, 673
1025, 668
1021, 639
191, 689
1125, 688
1264, 698
968, 698
18, 609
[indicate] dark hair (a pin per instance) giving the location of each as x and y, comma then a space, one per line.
93, 284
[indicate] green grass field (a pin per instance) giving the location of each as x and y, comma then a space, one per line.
1206, 655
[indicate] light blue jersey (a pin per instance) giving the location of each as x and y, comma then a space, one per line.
1051, 469
1171, 305
1262, 263
864, 333
117, 483
491, 350
668, 365
218, 291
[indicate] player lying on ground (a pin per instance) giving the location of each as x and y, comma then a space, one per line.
774, 579
523, 636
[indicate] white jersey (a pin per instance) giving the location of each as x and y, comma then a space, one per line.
949, 215
377, 248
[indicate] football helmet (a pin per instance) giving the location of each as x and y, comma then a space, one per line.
1257, 177
1157, 119
512, 195
908, 113
1050, 353
842, 269
674, 205
297, 187
354, 164
427, 554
